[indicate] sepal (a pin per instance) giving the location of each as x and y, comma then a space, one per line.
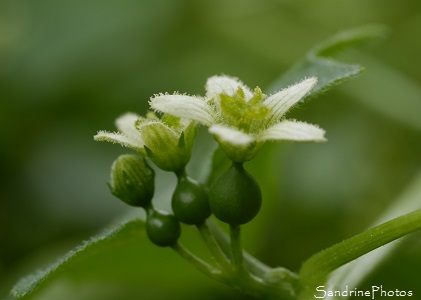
168, 142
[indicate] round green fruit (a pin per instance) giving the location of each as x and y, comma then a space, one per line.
235, 197
190, 202
162, 228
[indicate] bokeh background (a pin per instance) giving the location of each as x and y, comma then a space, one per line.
69, 68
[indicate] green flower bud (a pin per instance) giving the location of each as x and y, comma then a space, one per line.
190, 201
132, 180
235, 197
167, 142
162, 228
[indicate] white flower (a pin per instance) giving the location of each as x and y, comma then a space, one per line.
240, 119
167, 141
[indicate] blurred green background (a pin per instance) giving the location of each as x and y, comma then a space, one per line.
69, 68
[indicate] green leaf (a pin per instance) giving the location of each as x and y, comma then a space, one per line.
317, 267
355, 272
115, 255
129, 230
120, 263
400, 219
319, 62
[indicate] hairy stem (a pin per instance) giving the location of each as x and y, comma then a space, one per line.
317, 267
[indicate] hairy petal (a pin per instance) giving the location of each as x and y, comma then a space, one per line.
283, 100
231, 135
216, 85
183, 106
293, 131
126, 125
118, 138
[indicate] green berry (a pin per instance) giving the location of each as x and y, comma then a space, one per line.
235, 197
162, 228
190, 202
132, 180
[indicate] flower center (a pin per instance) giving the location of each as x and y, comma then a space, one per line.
241, 112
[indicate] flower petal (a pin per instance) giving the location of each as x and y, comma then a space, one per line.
293, 131
126, 125
231, 135
224, 84
183, 106
283, 100
118, 138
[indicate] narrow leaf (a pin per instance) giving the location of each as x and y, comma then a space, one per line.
319, 62
356, 271
119, 263
28, 285
317, 267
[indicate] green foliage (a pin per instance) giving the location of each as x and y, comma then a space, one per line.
319, 62
124, 235
355, 272
317, 267
127, 230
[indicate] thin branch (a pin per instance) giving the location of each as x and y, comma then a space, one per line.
220, 257
254, 265
236, 248
198, 263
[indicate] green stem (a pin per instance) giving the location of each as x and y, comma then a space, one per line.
253, 264
317, 267
198, 263
180, 173
236, 249
213, 246
247, 284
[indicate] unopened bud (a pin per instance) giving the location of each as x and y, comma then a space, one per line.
132, 180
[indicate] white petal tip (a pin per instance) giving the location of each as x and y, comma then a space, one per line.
223, 84
231, 135
118, 138
294, 131
183, 106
